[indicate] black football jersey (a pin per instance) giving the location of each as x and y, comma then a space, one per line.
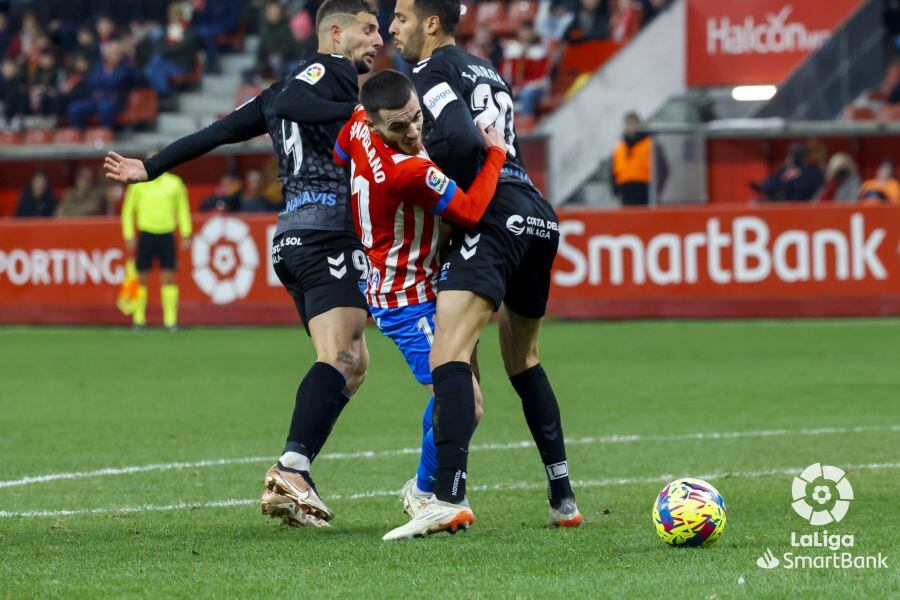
302, 114
316, 190
457, 91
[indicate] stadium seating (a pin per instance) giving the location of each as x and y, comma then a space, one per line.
37, 137
68, 135
98, 136
189, 80
142, 108
517, 13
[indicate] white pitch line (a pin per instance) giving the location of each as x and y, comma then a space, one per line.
497, 487
367, 454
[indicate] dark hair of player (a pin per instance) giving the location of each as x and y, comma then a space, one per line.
344, 7
386, 89
446, 10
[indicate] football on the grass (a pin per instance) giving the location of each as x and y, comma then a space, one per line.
689, 512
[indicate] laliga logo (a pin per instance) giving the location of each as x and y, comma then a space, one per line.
225, 259
515, 224
827, 480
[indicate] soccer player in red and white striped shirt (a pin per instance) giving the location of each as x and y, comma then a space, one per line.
399, 196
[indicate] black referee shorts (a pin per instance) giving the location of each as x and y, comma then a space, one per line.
156, 246
508, 256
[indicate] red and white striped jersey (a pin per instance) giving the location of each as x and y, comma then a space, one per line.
396, 199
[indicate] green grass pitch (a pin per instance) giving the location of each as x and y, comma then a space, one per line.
769, 397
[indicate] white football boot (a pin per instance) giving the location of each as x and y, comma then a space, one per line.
413, 503
566, 515
434, 517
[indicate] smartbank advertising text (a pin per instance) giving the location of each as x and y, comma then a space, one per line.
691, 262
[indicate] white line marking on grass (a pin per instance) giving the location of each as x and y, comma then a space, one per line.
497, 487
366, 454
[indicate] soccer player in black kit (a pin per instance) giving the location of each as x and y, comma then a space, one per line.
503, 264
316, 253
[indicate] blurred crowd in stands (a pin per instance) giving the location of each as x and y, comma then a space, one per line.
75, 62
807, 174
78, 59
258, 191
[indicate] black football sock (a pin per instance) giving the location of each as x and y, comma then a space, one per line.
542, 414
454, 423
320, 400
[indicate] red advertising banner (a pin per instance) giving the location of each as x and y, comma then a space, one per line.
691, 262
747, 42
729, 262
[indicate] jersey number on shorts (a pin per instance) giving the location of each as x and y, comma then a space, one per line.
495, 108
425, 327
293, 143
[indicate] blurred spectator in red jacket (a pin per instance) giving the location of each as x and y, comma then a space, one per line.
841, 180
797, 180
884, 189
20, 44
109, 83
37, 199
74, 86
526, 67
591, 22
626, 20
213, 18
175, 54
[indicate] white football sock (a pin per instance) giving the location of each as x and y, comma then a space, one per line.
295, 460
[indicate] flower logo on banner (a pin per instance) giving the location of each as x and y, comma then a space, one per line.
225, 259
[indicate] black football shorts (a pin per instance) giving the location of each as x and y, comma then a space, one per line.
155, 246
321, 270
508, 256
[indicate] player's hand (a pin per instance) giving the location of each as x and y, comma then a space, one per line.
124, 170
130, 247
186, 243
492, 138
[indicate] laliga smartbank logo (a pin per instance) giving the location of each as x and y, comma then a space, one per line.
822, 496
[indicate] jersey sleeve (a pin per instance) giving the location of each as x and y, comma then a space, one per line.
424, 184
129, 207
307, 98
183, 209
342, 144
244, 123
443, 100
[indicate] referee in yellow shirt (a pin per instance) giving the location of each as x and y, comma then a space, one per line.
154, 208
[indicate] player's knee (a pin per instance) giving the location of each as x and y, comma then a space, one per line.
521, 362
355, 381
479, 412
345, 361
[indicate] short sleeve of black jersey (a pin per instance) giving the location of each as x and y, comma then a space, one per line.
319, 92
244, 123
458, 148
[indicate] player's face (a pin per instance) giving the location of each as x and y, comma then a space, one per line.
401, 129
408, 31
361, 42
